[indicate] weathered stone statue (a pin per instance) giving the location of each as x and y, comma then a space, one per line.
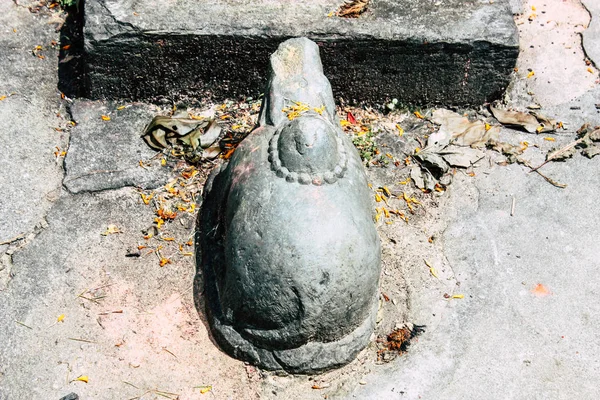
289, 251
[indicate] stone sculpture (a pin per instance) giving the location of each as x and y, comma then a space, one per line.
289, 251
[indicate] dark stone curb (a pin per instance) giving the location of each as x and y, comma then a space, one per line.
454, 53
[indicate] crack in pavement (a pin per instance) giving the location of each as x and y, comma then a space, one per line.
15, 244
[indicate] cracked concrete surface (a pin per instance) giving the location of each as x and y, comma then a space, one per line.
591, 45
136, 328
551, 55
30, 174
502, 341
117, 324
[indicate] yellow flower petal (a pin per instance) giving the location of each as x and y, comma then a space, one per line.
205, 389
111, 229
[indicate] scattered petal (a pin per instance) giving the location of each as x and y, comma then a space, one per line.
111, 229
204, 388
146, 198
229, 153
540, 290
164, 261
350, 118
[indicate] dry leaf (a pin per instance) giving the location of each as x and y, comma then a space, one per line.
561, 154
509, 150
462, 157
212, 152
591, 151
210, 136
352, 8
531, 121
164, 131
399, 339
595, 134
432, 161
459, 130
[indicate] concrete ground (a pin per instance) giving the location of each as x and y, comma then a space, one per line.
85, 311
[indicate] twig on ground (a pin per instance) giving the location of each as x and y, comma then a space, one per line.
512, 208
552, 182
558, 153
22, 324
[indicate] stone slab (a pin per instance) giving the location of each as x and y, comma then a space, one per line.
480, 350
71, 256
447, 52
106, 154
